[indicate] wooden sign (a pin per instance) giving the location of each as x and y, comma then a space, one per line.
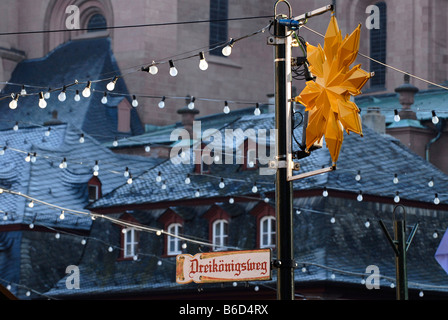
249, 265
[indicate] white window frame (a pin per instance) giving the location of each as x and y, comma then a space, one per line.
172, 238
220, 239
132, 243
267, 229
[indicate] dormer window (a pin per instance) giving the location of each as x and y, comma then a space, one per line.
129, 239
173, 224
266, 225
218, 227
94, 189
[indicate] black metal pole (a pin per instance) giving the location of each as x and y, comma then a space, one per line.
400, 260
283, 187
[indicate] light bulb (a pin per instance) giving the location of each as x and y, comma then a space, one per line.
31, 204
16, 127
104, 99
63, 164
435, 235
34, 158
62, 216
23, 91
126, 172
2, 151
87, 92
159, 177
57, 235
325, 192
153, 69
397, 197
396, 116
13, 103
162, 103
81, 138
47, 94
111, 85
436, 199
110, 249
31, 226
62, 96
28, 158
164, 185
359, 197
226, 109
333, 220
134, 102
395, 180
191, 104
187, 179
255, 188
42, 102
147, 149
222, 184
48, 132
358, 176
197, 194
173, 70
435, 119
227, 50
257, 111
83, 242
129, 181
203, 65
96, 167
77, 97
115, 143
431, 183
231, 201
367, 224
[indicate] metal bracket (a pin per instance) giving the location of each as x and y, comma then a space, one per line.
285, 264
274, 41
312, 173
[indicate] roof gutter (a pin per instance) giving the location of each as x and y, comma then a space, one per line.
440, 126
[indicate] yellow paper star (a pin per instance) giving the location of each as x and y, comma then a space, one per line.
327, 99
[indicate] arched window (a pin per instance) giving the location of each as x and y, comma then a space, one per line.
219, 10
378, 39
267, 232
97, 23
130, 243
173, 242
220, 234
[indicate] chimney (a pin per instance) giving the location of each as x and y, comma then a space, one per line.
188, 116
374, 120
407, 92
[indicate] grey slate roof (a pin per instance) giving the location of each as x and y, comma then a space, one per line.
344, 248
82, 60
45, 181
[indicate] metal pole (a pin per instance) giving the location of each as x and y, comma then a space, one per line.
400, 260
283, 187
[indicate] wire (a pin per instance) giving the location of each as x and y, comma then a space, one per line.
135, 26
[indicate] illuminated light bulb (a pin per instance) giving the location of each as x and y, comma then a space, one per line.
87, 90
162, 103
34, 158
62, 96
187, 179
47, 94
173, 70
203, 65
104, 99
191, 104
126, 172
184, 245
397, 197
226, 109
16, 127
396, 116
96, 167
266, 200
395, 180
197, 194
77, 96
115, 143
255, 188
359, 197
31, 204
435, 235
42, 102
48, 132
63, 164
2, 151
23, 91
83, 242
130, 181
147, 149
231, 201
159, 263
158, 233
134, 102
28, 158
153, 69
62, 216
358, 176
81, 138
298, 212
135, 258
325, 192
111, 85
436, 199
164, 185
333, 220
159, 177
110, 249
13, 104
257, 111
31, 226
222, 184
435, 119
421, 294
367, 224
227, 50
57, 235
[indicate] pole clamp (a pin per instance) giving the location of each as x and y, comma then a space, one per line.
290, 264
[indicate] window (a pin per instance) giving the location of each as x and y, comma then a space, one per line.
220, 235
94, 189
173, 242
219, 10
97, 23
130, 242
378, 39
204, 159
267, 232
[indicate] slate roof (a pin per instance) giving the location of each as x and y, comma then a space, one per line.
82, 60
45, 181
343, 249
